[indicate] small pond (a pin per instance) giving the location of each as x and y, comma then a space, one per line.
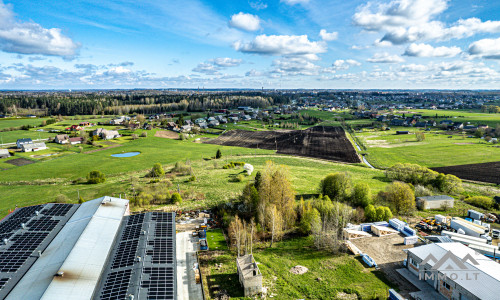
127, 154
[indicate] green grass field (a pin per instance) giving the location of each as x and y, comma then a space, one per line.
385, 148
327, 276
474, 117
13, 122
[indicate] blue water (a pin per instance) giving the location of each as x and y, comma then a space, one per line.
128, 154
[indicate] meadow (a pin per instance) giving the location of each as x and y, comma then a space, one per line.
18, 122
385, 148
329, 275
472, 116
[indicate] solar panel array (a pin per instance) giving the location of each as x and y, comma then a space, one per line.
25, 234
143, 259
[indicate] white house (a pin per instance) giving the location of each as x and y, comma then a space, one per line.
34, 147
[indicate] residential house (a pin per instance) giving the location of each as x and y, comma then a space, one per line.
186, 128
171, 126
398, 122
76, 140
110, 134
4, 153
435, 202
21, 142
446, 122
454, 270
233, 119
203, 125
61, 139
106, 134
74, 128
470, 128
188, 122
85, 124
246, 118
34, 147
458, 125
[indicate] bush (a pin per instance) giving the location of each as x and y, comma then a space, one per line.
401, 196
157, 171
135, 136
144, 134
181, 168
311, 221
481, 201
336, 186
218, 154
239, 178
96, 177
176, 198
61, 199
192, 178
422, 191
361, 194
370, 213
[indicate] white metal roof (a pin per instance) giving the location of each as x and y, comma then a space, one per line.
37, 279
485, 286
84, 264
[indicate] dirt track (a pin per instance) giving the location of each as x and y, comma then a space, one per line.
388, 253
325, 142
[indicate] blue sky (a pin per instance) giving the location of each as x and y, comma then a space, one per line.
86, 44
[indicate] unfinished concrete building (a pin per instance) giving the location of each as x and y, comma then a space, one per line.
249, 274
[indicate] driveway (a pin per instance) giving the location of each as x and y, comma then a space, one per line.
187, 288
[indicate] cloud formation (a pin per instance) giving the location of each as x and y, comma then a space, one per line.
293, 2
246, 22
385, 58
486, 48
407, 21
32, 38
328, 36
425, 50
289, 45
213, 66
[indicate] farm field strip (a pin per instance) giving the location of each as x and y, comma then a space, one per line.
484, 172
323, 142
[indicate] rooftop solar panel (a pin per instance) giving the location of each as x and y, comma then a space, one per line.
161, 283
116, 285
57, 209
42, 224
12, 261
3, 281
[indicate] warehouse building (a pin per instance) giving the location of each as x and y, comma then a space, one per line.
435, 202
94, 250
455, 271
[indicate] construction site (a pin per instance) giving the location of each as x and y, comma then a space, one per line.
394, 247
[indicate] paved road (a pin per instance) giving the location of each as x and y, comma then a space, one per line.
187, 289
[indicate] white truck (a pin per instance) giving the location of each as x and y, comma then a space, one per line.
468, 227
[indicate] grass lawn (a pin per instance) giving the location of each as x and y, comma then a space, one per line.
327, 276
474, 117
13, 136
216, 240
18, 122
439, 148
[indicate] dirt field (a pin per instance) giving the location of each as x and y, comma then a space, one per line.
20, 162
167, 134
325, 142
485, 172
387, 251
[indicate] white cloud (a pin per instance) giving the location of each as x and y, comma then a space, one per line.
398, 13
385, 58
225, 62
341, 64
328, 36
119, 70
406, 21
381, 44
213, 66
282, 45
254, 73
414, 68
293, 2
425, 50
258, 5
293, 66
32, 38
487, 48
207, 68
247, 22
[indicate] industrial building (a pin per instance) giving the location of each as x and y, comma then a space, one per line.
435, 202
94, 250
455, 271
